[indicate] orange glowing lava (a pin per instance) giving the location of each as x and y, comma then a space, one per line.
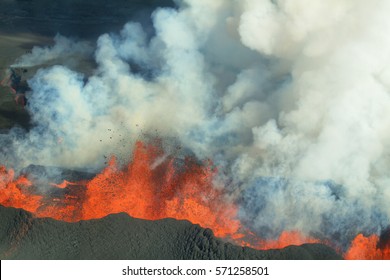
285, 239
156, 186
14, 191
154, 191
152, 186
366, 248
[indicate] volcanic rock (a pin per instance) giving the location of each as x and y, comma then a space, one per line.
119, 236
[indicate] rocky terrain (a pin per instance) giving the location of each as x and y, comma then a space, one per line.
119, 236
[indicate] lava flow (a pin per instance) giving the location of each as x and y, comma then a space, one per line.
180, 190
153, 186
368, 248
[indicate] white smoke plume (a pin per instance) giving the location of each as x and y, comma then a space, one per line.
290, 98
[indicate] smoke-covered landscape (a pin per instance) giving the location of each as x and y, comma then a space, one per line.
264, 121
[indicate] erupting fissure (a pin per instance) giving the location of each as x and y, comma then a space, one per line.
183, 190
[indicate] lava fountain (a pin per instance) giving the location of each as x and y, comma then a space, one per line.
183, 190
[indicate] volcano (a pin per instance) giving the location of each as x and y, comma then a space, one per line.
182, 191
81, 225
228, 128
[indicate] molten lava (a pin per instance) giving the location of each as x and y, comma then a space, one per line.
185, 192
285, 239
366, 248
14, 191
155, 186
144, 189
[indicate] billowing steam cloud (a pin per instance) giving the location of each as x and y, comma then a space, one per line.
290, 98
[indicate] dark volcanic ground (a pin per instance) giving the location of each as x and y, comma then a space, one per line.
81, 18
119, 236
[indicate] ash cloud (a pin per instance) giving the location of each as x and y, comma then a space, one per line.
289, 98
